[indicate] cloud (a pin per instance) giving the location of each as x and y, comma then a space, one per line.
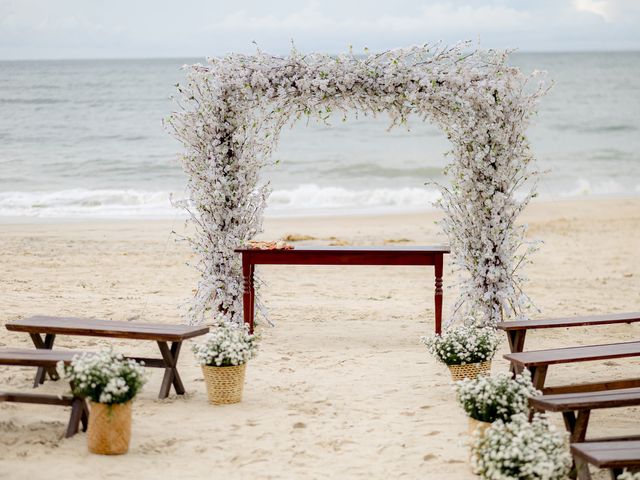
141, 28
435, 17
610, 10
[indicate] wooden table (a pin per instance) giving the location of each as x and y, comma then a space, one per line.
159, 333
397, 256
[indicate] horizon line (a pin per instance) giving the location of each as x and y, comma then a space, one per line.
175, 57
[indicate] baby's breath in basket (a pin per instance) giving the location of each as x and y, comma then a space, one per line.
223, 356
466, 349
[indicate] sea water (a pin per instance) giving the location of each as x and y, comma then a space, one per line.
85, 139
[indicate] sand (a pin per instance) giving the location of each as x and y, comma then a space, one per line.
342, 388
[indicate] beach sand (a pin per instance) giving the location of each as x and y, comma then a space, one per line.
342, 388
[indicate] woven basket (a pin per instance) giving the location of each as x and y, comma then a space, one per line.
476, 429
470, 370
109, 429
224, 384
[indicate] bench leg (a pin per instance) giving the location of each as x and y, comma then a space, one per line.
577, 428
79, 413
171, 375
46, 344
516, 344
582, 469
615, 473
538, 376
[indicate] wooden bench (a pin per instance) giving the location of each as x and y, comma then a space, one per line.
160, 333
45, 359
614, 455
576, 407
538, 362
516, 331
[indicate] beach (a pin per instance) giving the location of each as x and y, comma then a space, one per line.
342, 387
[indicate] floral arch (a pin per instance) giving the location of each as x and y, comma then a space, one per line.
231, 112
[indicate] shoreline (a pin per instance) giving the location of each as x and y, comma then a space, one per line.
181, 218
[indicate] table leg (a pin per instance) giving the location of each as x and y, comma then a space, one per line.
46, 344
438, 293
171, 375
248, 296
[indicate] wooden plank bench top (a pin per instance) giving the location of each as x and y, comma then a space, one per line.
571, 321
616, 455
624, 397
576, 407
35, 358
574, 354
162, 334
106, 328
538, 361
517, 331
42, 358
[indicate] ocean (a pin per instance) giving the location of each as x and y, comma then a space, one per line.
84, 139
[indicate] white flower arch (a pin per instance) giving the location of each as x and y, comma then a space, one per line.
231, 112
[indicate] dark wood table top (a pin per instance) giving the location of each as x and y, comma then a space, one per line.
609, 454
571, 321
396, 256
106, 328
35, 358
369, 249
562, 402
575, 354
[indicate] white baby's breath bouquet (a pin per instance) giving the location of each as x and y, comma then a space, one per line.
522, 450
463, 344
228, 344
488, 399
627, 475
104, 377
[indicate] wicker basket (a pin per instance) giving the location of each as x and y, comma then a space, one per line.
224, 384
476, 429
470, 370
109, 429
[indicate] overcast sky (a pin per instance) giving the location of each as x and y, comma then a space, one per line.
37, 29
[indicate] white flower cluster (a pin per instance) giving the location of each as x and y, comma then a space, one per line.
463, 344
226, 345
522, 450
627, 475
104, 377
491, 398
229, 119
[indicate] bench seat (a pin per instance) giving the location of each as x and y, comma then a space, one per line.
160, 333
45, 359
516, 331
624, 397
538, 361
614, 455
576, 407
574, 354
